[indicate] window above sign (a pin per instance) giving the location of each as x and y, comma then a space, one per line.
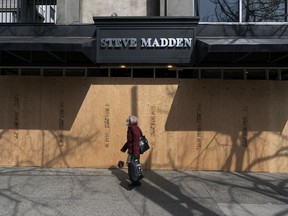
28, 11
242, 10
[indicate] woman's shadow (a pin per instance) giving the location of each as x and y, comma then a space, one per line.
122, 177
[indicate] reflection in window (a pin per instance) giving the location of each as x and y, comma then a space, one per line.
165, 73
31, 72
218, 10
263, 11
75, 72
120, 72
9, 71
97, 72
255, 74
233, 74
143, 72
251, 10
188, 73
53, 72
24, 11
274, 74
284, 74
211, 74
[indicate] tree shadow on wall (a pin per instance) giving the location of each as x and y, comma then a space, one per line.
240, 111
37, 114
59, 151
220, 104
41, 103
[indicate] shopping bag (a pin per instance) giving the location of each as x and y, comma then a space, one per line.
135, 170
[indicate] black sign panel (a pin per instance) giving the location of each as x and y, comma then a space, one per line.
145, 45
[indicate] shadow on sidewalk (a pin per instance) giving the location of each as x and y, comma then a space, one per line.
122, 177
168, 195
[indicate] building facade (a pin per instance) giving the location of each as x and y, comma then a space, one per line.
207, 80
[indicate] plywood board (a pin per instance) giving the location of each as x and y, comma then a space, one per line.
191, 124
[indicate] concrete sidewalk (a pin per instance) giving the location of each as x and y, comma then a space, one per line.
33, 191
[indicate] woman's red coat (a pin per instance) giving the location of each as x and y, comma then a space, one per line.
133, 137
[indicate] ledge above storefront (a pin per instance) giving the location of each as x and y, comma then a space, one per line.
141, 21
242, 52
144, 41
238, 45
47, 45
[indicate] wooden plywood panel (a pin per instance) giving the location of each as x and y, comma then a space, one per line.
27, 99
277, 151
61, 102
122, 100
153, 108
20, 106
191, 124
10, 149
108, 107
228, 125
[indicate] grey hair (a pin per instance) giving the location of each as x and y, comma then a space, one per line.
133, 119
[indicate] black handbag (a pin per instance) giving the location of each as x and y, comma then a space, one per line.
144, 145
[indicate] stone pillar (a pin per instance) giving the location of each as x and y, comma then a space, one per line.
68, 12
153, 7
28, 12
177, 8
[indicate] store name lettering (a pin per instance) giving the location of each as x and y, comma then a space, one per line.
146, 43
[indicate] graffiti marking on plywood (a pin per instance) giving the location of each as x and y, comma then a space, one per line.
107, 125
199, 127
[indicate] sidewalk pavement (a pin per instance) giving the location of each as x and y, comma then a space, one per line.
87, 192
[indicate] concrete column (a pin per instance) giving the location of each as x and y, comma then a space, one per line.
163, 7
177, 8
28, 12
68, 12
153, 7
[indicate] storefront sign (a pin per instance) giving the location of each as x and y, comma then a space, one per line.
146, 42
145, 45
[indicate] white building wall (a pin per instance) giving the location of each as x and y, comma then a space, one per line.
180, 8
90, 8
83, 11
68, 12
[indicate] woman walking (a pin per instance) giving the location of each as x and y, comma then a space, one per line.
132, 145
